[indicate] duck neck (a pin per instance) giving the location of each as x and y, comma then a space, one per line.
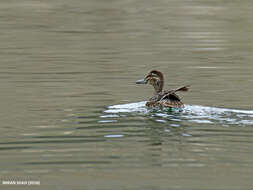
158, 87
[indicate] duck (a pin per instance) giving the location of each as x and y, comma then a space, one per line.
162, 98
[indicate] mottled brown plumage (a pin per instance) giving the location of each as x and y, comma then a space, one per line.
162, 98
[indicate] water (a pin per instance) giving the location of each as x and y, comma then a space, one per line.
191, 113
72, 116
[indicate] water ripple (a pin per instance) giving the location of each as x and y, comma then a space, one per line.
191, 113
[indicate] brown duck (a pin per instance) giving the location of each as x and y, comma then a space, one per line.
162, 98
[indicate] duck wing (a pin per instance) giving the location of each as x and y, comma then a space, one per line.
183, 88
171, 100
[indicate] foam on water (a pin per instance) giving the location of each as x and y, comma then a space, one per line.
191, 113
128, 108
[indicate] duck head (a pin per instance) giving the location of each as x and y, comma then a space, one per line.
155, 78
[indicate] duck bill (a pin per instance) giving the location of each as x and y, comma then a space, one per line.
142, 81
